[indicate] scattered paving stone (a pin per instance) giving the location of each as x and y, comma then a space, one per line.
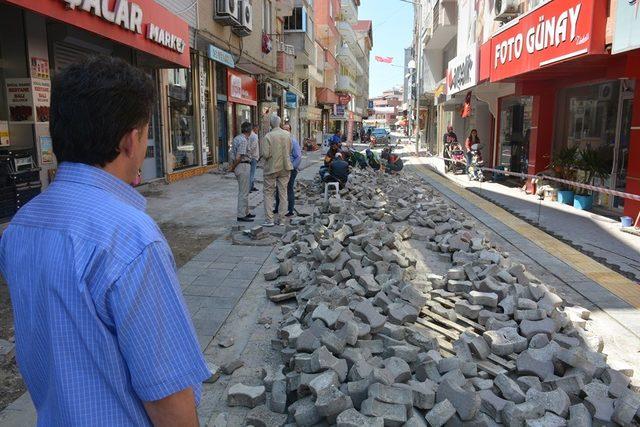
353, 418
331, 402
505, 341
222, 420
467, 403
509, 389
231, 367
261, 416
244, 395
579, 416
440, 414
392, 414
556, 401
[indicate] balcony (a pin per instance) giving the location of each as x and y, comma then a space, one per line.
305, 47
346, 31
315, 74
326, 96
284, 8
346, 57
348, 11
346, 84
444, 24
286, 59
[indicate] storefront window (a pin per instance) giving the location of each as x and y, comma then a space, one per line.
515, 131
183, 133
243, 114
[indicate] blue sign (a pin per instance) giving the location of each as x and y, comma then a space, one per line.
370, 103
221, 56
291, 100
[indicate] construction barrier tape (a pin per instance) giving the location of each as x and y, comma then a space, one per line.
553, 178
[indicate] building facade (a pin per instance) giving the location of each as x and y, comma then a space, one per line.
539, 76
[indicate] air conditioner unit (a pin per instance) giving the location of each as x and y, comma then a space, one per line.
227, 12
505, 10
266, 92
246, 19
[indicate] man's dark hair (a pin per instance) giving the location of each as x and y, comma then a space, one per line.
94, 103
246, 127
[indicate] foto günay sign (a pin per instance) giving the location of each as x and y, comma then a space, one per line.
141, 24
462, 72
128, 15
554, 32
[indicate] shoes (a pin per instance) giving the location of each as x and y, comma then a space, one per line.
268, 224
254, 189
289, 214
250, 216
245, 219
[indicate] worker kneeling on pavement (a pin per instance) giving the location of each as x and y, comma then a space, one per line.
338, 171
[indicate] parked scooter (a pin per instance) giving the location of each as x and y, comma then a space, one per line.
475, 167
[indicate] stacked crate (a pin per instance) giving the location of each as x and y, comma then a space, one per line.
19, 180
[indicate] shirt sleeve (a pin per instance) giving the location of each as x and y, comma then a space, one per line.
296, 153
155, 333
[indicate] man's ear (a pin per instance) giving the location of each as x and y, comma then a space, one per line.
129, 141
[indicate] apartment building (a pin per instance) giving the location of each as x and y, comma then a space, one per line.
537, 76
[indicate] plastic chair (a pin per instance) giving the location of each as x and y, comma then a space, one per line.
336, 187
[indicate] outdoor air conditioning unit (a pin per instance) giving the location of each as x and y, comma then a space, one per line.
505, 10
266, 92
246, 19
227, 12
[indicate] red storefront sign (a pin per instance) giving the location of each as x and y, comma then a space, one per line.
554, 32
141, 24
344, 98
242, 88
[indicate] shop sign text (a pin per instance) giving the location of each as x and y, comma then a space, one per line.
462, 72
549, 34
128, 15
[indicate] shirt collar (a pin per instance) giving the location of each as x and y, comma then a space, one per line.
90, 175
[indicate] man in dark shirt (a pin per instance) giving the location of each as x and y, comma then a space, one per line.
338, 171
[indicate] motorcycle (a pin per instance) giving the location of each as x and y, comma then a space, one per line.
474, 171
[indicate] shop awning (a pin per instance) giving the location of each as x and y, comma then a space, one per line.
288, 86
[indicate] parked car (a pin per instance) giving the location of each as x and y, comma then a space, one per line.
380, 136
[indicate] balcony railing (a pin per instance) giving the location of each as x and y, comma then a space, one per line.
305, 47
348, 11
346, 57
346, 84
286, 58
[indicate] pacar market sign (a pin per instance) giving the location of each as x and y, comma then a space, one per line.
462, 72
141, 24
554, 32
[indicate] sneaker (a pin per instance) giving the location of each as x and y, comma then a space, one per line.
245, 219
250, 215
268, 224
289, 214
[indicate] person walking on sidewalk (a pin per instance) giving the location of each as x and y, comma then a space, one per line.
296, 159
254, 151
276, 151
103, 336
241, 166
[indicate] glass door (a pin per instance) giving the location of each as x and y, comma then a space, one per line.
621, 153
223, 149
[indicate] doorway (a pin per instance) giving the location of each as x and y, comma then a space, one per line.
223, 132
623, 140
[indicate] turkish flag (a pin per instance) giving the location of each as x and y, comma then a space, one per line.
386, 59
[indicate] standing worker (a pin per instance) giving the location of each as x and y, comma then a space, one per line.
276, 151
241, 166
103, 335
296, 159
254, 152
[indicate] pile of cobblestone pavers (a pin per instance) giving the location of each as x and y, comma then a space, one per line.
374, 338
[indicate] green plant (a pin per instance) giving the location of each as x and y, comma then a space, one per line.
564, 163
594, 163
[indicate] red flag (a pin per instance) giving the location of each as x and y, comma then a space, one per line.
386, 59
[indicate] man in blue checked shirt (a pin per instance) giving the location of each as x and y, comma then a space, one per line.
103, 337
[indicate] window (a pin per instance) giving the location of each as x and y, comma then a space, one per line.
297, 21
183, 146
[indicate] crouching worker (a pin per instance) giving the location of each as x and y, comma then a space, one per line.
394, 162
338, 171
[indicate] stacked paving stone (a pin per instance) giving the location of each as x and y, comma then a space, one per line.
355, 349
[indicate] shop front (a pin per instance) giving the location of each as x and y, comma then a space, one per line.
242, 97
38, 39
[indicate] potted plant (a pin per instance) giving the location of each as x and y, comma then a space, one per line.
593, 163
563, 164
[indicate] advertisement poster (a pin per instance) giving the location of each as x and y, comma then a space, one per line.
626, 35
40, 68
46, 150
41, 99
4, 133
19, 100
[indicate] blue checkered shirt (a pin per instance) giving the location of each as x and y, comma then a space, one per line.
100, 322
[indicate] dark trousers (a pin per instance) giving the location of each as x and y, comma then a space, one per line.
291, 195
468, 157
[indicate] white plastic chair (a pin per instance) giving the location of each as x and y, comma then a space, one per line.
336, 187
